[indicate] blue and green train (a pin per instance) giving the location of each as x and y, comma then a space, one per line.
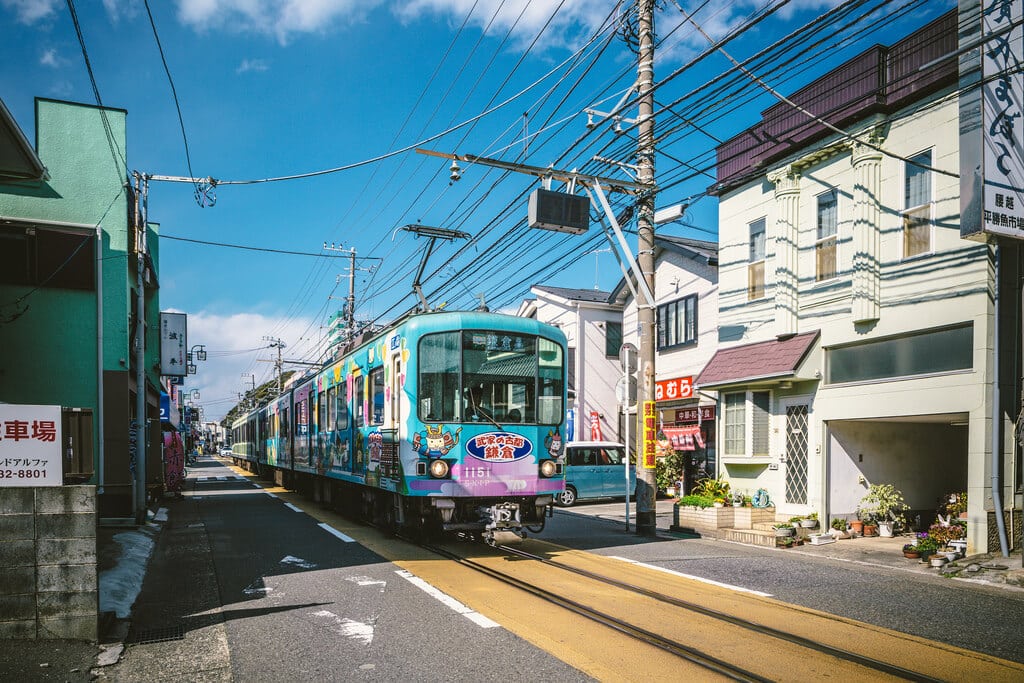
446, 421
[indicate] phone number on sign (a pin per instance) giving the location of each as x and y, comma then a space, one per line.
22, 474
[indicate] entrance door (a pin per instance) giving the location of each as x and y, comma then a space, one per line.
796, 453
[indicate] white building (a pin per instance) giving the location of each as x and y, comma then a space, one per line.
686, 297
593, 328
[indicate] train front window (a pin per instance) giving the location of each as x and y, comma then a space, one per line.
492, 377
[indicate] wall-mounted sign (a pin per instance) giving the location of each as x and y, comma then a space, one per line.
30, 445
673, 389
991, 107
707, 413
173, 344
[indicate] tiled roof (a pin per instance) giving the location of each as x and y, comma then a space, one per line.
760, 360
575, 294
693, 248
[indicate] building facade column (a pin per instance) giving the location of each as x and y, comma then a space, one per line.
787, 229
867, 231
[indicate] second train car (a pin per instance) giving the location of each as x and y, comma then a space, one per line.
446, 421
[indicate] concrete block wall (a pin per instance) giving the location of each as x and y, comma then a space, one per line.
48, 578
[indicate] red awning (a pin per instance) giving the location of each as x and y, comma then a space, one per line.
684, 438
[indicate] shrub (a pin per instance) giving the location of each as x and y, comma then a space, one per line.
712, 488
839, 524
696, 501
927, 545
669, 470
945, 534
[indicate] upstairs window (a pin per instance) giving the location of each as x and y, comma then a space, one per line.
612, 339
677, 322
917, 198
755, 268
825, 244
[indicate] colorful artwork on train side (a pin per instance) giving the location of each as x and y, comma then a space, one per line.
436, 442
553, 444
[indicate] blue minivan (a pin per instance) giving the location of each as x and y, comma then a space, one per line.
595, 469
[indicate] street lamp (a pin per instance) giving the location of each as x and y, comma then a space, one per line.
197, 355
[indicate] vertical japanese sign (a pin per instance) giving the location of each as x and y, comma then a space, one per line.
30, 446
173, 344
648, 435
595, 426
991, 155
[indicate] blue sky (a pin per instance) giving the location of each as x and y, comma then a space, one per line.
276, 88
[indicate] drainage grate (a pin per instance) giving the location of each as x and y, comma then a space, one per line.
156, 635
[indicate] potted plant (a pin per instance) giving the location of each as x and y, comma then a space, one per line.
784, 541
911, 550
927, 547
784, 530
810, 521
883, 504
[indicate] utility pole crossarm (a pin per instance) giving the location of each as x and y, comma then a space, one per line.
613, 184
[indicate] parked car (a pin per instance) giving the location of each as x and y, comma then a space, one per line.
595, 469
225, 451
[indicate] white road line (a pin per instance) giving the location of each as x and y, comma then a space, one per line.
453, 604
334, 532
270, 494
656, 568
292, 507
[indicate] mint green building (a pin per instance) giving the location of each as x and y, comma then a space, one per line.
68, 297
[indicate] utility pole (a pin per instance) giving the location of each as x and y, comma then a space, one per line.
646, 512
141, 211
278, 364
350, 303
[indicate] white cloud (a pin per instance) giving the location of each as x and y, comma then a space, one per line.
31, 11
235, 346
251, 65
278, 18
49, 58
118, 9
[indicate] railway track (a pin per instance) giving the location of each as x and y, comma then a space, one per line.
722, 643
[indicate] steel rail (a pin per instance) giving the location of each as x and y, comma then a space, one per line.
862, 660
676, 648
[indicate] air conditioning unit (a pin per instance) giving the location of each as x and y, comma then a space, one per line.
559, 211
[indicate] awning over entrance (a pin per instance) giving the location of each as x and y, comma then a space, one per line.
774, 360
684, 438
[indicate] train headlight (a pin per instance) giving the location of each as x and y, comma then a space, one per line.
548, 468
438, 469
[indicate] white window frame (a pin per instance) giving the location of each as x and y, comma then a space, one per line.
928, 206
748, 424
819, 240
763, 261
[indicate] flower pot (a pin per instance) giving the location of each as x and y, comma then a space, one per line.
870, 530
785, 532
910, 554
857, 527
885, 529
808, 523
937, 560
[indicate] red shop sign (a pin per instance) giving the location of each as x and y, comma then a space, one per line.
673, 389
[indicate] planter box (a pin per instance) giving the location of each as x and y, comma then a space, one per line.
707, 521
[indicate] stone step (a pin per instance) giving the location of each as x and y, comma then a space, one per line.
750, 536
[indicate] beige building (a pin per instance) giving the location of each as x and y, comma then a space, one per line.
856, 328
